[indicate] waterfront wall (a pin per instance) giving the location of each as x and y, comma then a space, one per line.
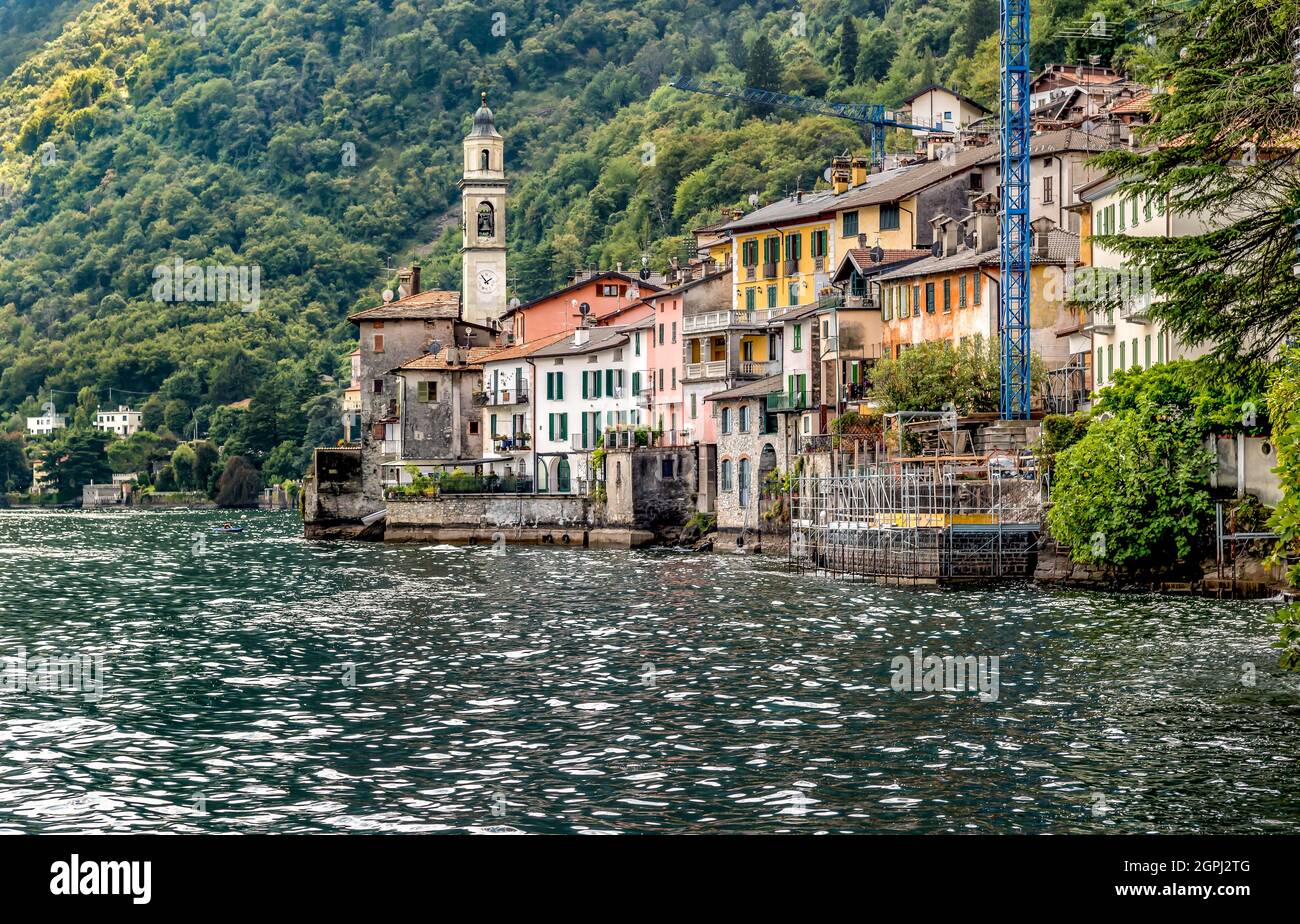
547, 519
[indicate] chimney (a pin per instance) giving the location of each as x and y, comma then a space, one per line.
859, 170
415, 279
862, 241
840, 174
581, 336
945, 234
403, 283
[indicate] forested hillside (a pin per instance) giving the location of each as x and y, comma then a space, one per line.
319, 141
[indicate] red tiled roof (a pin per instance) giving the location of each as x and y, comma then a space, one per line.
472, 357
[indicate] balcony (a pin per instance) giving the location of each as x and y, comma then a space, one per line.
501, 396
699, 372
750, 272
646, 396
753, 369
790, 268
1137, 310
1099, 321
783, 401
769, 270
517, 442
721, 320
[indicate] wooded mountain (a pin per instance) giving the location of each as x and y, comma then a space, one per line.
319, 140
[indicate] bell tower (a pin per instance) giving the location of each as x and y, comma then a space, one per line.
483, 221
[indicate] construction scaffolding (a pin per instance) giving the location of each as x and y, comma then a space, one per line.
920, 523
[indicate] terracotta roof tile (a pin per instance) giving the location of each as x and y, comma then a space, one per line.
437, 362
431, 304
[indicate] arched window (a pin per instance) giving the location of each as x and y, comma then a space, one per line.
726, 474
726, 420
543, 481
486, 220
484, 161
743, 482
562, 476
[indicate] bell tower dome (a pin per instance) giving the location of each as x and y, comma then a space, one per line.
483, 220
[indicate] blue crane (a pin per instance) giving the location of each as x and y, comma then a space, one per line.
862, 113
1013, 258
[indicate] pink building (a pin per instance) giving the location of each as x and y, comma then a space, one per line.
604, 294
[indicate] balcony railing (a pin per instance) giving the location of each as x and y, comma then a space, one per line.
769, 270
754, 369
1100, 320
503, 395
518, 442
750, 272
790, 268
712, 370
720, 320
779, 401
1137, 310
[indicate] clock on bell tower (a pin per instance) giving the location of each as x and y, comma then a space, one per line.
483, 221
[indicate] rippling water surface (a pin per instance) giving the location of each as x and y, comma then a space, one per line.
260, 682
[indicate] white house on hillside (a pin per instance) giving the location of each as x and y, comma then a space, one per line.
122, 421
46, 424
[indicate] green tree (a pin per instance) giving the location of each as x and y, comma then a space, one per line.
76, 457
183, 459
846, 60
15, 472
1221, 144
239, 485
1134, 490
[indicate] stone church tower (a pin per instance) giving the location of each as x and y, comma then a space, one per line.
483, 221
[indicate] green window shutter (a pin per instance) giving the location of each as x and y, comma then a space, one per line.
559, 386
584, 385
550, 427
550, 387
422, 391
492, 425
609, 381
636, 383
564, 426
584, 431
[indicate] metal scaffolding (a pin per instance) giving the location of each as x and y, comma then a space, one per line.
914, 524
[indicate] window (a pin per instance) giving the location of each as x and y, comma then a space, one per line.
771, 249
473, 428
744, 418
607, 290
947, 295
427, 391
929, 298
1146, 210
742, 481
636, 343
797, 344
947, 116
1110, 361
794, 246
1121, 353
378, 344
555, 386
819, 243
726, 474
636, 383
1121, 214
850, 224
609, 382
1146, 350
750, 299
1047, 189
694, 409
749, 253
558, 427
674, 329
771, 296
1135, 212
916, 297
1099, 370
1136, 365
674, 377
975, 286
378, 386
889, 217
726, 420
661, 333
793, 293
486, 220
484, 160
661, 380
667, 468
961, 292
1160, 348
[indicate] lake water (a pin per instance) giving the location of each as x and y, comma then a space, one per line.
258, 682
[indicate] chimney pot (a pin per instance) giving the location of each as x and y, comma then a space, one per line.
415, 279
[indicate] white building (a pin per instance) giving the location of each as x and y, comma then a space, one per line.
122, 421
46, 424
506, 396
946, 110
1127, 337
586, 386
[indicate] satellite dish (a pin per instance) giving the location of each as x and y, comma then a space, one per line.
644, 274
434, 347
753, 199
388, 295
826, 174
402, 292
48, 408
877, 254
584, 309
514, 303
634, 293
